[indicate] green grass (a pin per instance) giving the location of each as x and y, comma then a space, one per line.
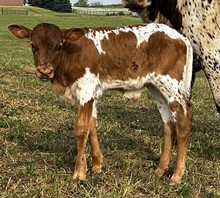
37, 145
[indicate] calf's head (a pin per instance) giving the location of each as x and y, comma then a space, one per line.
48, 43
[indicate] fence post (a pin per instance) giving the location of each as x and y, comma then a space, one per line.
2, 10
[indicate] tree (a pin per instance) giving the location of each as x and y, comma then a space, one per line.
96, 4
82, 3
37, 3
55, 5
62, 6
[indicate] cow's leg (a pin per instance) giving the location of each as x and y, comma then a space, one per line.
97, 156
81, 132
183, 125
212, 74
168, 139
196, 68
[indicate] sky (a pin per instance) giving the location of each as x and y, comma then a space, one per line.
105, 2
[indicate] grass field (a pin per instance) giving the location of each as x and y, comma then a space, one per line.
37, 145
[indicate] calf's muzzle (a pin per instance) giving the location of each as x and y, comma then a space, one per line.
45, 72
135, 4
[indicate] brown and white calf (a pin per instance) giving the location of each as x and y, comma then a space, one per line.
83, 63
199, 21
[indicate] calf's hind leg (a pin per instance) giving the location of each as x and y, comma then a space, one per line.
168, 140
169, 130
183, 126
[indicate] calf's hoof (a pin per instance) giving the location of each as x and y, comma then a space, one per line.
97, 169
159, 172
175, 180
79, 175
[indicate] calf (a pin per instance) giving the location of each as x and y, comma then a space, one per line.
83, 63
199, 21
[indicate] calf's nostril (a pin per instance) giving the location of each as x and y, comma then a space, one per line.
40, 70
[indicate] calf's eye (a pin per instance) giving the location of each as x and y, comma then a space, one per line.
33, 47
60, 46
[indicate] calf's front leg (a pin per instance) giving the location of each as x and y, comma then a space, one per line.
97, 157
81, 132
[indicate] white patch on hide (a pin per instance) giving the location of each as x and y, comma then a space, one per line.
94, 109
88, 87
142, 34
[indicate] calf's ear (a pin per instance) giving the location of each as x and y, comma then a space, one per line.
20, 31
73, 35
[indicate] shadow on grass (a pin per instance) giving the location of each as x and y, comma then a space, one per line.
124, 130
127, 135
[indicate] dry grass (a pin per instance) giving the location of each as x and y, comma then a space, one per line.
38, 148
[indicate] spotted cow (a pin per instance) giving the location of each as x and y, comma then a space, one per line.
199, 21
82, 63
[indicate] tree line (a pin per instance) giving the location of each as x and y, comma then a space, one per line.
62, 5
84, 3
55, 5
